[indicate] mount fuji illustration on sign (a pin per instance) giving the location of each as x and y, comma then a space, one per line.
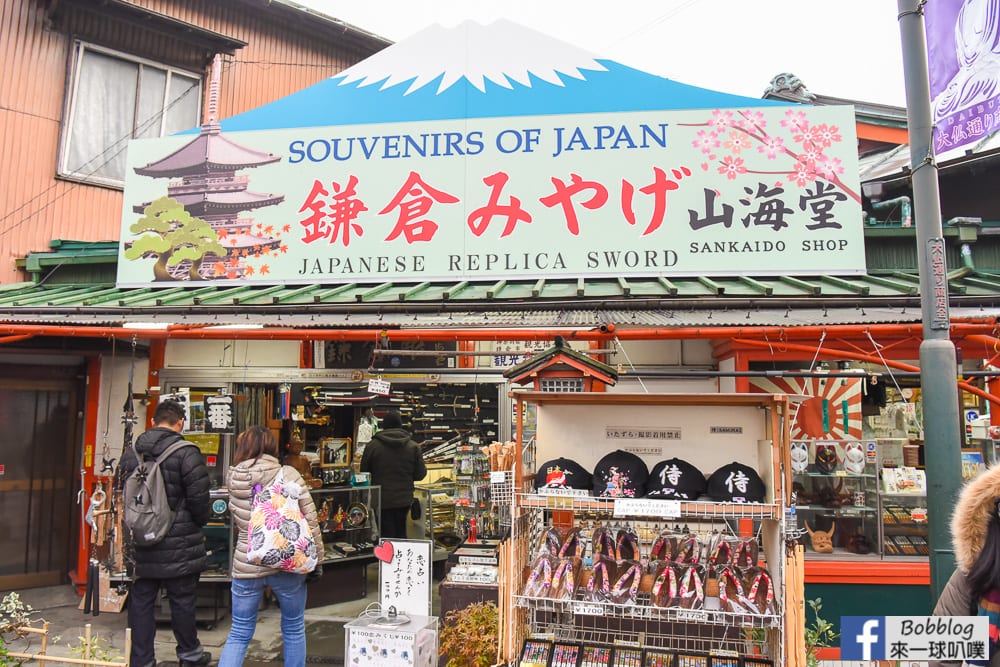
491, 153
477, 71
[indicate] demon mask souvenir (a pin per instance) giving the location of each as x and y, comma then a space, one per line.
822, 540
826, 458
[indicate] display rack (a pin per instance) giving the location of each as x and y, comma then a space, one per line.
350, 529
870, 522
714, 430
831, 497
437, 517
473, 493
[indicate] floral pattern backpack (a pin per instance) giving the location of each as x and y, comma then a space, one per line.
278, 536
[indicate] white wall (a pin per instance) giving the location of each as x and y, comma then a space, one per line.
111, 400
727, 385
185, 353
632, 385
662, 353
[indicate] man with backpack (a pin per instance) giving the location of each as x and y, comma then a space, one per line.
172, 559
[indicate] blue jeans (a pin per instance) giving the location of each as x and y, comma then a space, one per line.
290, 589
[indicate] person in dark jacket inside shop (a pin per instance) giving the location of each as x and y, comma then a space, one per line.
974, 587
175, 562
395, 462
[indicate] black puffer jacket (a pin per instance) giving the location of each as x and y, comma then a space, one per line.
395, 462
187, 482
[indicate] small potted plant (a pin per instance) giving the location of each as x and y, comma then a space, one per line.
469, 636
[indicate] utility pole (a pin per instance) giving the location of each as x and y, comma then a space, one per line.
938, 368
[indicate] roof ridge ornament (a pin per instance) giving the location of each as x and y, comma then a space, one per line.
788, 86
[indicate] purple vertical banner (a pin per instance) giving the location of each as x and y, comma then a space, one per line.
963, 58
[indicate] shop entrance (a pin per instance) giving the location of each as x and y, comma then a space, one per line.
39, 457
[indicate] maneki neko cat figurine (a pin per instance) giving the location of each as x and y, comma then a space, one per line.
822, 540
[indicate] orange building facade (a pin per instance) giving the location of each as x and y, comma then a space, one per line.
81, 78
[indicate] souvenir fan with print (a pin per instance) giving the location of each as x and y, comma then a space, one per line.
800, 457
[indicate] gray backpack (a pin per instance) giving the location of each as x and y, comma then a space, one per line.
147, 510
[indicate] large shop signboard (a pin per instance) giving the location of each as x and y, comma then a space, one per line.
761, 190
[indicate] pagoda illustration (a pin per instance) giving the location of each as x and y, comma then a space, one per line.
196, 232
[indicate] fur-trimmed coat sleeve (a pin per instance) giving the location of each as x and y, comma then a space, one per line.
976, 503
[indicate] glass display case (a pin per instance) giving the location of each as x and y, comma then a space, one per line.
904, 525
902, 503
437, 517
858, 498
348, 517
218, 538
837, 502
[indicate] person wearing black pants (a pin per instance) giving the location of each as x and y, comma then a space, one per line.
394, 522
182, 593
176, 561
395, 462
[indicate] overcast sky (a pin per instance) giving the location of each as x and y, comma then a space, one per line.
847, 48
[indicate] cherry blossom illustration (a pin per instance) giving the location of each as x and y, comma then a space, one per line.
737, 139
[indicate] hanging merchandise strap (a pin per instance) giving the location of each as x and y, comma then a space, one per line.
97, 518
128, 420
107, 462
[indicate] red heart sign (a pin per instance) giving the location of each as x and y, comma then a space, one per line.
384, 552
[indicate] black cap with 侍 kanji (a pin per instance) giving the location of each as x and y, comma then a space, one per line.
620, 474
675, 479
562, 473
736, 483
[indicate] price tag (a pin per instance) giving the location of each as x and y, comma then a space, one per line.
588, 609
840, 473
559, 502
378, 386
668, 509
562, 491
692, 615
476, 560
498, 477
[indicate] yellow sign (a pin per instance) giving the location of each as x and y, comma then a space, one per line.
208, 443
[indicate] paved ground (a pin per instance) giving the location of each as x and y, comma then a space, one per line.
324, 627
